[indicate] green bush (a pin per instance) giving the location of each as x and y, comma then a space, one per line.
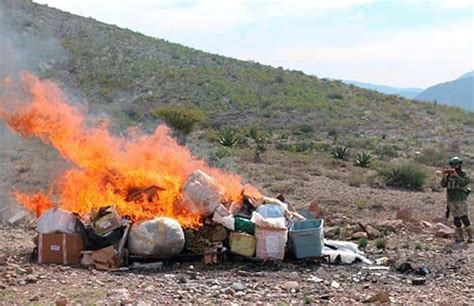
334, 96
322, 147
341, 153
409, 175
381, 243
182, 118
363, 160
363, 242
418, 246
360, 204
388, 151
227, 137
303, 147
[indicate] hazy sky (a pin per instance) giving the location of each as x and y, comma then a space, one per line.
409, 43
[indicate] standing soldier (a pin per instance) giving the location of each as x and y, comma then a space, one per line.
455, 180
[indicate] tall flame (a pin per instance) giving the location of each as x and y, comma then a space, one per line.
106, 167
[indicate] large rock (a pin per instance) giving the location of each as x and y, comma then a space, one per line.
443, 231
372, 231
359, 235
161, 237
333, 232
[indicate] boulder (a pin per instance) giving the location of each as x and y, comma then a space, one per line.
372, 231
333, 232
359, 235
443, 231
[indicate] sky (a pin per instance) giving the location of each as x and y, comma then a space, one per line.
403, 43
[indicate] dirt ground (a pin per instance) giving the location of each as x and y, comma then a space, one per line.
345, 194
450, 279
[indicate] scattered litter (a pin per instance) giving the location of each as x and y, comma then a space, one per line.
422, 271
343, 252
382, 261
418, 281
314, 279
376, 268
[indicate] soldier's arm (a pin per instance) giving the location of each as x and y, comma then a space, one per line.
462, 180
444, 182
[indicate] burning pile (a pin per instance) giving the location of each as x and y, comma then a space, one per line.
142, 175
142, 193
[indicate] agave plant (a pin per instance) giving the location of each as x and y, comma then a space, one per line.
227, 137
363, 160
341, 153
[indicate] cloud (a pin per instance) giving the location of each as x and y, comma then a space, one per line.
445, 51
338, 38
201, 15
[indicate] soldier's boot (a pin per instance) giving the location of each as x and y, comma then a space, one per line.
458, 235
469, 234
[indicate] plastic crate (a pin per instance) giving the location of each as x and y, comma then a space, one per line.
307, 238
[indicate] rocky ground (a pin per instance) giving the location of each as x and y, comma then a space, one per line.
442, 272
345, 196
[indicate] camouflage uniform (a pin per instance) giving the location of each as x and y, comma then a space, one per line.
457, 193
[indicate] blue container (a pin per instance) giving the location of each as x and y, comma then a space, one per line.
307, 238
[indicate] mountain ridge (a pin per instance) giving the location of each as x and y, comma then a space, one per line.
406, 92
458, 92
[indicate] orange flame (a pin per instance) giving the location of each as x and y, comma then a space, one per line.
107, 167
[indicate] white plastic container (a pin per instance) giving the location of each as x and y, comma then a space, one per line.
271, 243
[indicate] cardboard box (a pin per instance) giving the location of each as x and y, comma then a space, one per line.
60, 248
108, 221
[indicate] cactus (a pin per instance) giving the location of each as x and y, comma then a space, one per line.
363, 160
341, 153
227, 137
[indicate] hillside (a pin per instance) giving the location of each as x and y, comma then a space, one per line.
408, 93
459, 92
129, 75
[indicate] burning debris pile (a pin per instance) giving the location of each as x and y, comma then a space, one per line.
143, 195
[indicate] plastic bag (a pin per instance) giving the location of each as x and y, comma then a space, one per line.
161, 237
57, 220
260, 221
344, 252
202, 193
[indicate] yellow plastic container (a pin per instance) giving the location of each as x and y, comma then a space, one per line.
242, 244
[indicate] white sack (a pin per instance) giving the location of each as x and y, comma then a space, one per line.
202, 193
56, 220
